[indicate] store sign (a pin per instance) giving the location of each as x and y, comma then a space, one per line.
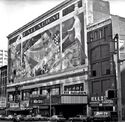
101, 99
98, 98
37, 101
14, 105
75, 92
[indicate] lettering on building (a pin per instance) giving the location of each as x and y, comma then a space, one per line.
41, 24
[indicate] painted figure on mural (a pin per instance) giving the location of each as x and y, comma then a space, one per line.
76, 25
77, 28
15, 54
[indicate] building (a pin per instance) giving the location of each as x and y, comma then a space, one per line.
48, 60
3, 84
101, 66
3, 57
105, 65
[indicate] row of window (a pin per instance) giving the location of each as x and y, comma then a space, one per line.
100, 86
101, 33
26, 94
45, 91
101, 68
99, 52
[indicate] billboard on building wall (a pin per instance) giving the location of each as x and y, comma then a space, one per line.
56, 49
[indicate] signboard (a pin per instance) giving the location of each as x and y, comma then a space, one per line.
2, 102
14, 105
101, 101
44, 100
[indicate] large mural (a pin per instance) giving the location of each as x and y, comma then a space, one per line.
44, 55
73, 53
49, 52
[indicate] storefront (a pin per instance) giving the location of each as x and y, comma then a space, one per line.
102, 104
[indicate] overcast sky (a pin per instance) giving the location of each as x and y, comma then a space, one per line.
16, 13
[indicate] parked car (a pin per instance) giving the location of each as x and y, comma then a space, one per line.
9, 117
58, 118
80, 118
20, 117
2, 117
28, 117
39, 117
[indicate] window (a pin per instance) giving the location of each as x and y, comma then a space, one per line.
94, 73
105, 51
106, 33
107, 84
105, 68
96, 88
95, 53
55, 91
96, 69
101, 34
26, 95
91, 36
96, 35
10, 97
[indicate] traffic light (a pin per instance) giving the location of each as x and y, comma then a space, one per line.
110, 94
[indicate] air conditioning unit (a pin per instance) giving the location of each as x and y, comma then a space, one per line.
110, 93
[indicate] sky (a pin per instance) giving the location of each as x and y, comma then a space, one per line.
16, 13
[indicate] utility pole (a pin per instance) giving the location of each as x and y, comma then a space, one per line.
50, 102
118, 78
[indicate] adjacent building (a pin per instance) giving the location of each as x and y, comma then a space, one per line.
3, 57
101, 66
106, 56
3, 84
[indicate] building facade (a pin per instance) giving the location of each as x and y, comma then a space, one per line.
3, 57
3, 84
106, 65
48, 61
102, 67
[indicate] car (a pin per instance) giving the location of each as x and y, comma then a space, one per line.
59, 118
19, 117
82, 118
28, 117
9, 117
2, 117
39, 117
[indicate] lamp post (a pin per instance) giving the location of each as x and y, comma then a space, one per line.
118, 77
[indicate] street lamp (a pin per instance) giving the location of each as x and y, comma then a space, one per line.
118, 77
